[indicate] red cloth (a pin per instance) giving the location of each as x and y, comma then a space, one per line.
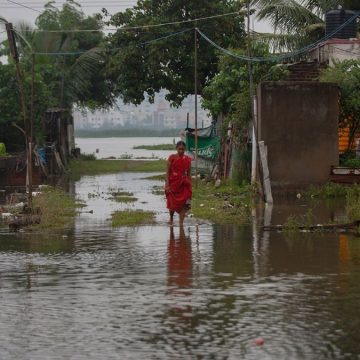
179, 183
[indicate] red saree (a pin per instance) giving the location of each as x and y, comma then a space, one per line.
180, 185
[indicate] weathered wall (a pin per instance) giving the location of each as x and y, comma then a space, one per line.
298, 121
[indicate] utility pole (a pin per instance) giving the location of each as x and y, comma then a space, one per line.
252, 99
196, 104
27, 127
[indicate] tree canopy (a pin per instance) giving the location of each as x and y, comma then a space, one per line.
135, 68
347, 75
296, 22
61, 81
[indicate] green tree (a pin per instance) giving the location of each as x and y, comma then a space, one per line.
135, 69
66, 80
79, 78
228, 95
10, 114
296, 22
347, 75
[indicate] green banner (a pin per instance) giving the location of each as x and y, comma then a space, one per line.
208, 148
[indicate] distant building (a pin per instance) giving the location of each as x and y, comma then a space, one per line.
159, 115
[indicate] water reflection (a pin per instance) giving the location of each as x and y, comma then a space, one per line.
179, 262
158, 292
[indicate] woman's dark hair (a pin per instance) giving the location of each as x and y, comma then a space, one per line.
180, 143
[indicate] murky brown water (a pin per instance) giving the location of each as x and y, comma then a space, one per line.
152, 293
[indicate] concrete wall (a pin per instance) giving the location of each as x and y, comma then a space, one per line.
298, 121
336, 50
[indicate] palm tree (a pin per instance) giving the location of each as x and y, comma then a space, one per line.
296, 22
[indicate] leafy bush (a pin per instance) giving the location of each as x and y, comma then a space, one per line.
353, 163
2, 149
353, 203
87, 157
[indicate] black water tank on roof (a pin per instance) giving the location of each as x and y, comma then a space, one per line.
336, 18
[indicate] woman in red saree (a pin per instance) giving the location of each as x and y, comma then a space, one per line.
178, 187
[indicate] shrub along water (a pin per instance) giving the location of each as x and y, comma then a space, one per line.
95, 167
169, 147
56, 208
132, 218
228, 204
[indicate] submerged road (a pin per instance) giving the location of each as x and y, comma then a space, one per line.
153, 292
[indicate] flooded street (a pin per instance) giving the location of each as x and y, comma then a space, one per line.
154, 292
123, 146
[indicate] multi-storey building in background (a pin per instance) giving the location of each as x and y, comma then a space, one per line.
159, 115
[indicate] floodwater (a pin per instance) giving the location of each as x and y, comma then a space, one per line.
124, 147
155, 292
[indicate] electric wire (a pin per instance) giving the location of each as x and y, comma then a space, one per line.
282, 57
144, 43
346, 51
24, 6
148, 26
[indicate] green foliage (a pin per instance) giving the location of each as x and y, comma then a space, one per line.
347, 75
352, 162
57, 209
2, 149
158, 190
10, 106
228, 92
74, 79
228, 204
79, 167
60, 81
294, 223
328, 191
87, 157
168, 64
297, 23
132, 218
156, 147
353, 203
125, 199
291, 225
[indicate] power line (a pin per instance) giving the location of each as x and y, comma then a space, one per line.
24, 6
149, 26
279, 57
345, 50
115, 49
35, 8
38, 3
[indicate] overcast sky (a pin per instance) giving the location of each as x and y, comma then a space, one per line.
15, 13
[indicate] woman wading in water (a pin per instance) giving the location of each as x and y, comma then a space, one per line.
178, 187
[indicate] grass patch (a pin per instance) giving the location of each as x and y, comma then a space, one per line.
327, 191
161, 177
352, 163
294, 223
353, 203
123, 196
132, 218
228, 204
122, 193
126, 156
95, 167
56, 208
87, 157
157, 190
125, 199
156, 147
